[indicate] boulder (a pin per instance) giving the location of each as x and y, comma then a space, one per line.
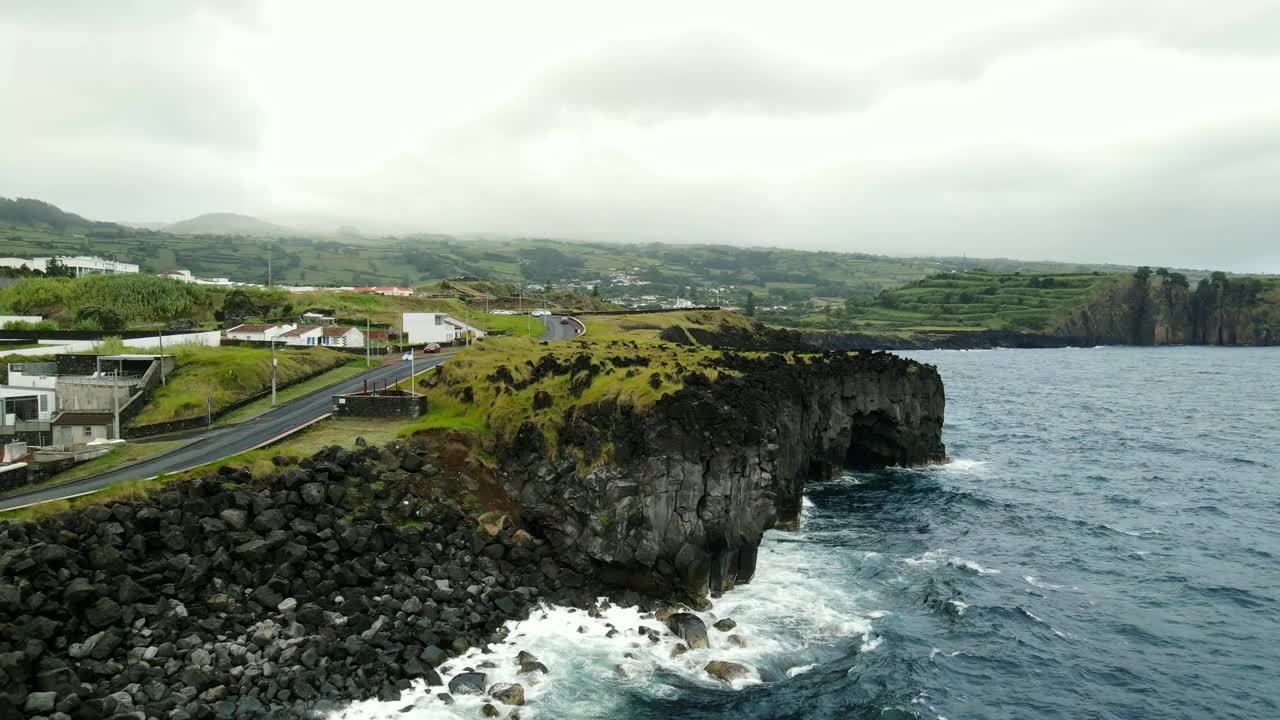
41, 703
725, 624
508, 693
690, 628
726, 671
468, 683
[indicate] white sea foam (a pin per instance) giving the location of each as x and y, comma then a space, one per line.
960, 607
928, 558
1034, 581
789, 615
972, 565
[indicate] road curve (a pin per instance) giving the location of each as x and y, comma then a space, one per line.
229, 440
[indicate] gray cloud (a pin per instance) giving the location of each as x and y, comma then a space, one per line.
130, 111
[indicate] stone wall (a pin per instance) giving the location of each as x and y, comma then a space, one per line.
384, 404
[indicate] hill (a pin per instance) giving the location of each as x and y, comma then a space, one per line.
795, 282
227, 224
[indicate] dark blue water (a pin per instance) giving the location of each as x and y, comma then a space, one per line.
1105, 545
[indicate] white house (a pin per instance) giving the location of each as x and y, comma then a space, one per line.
301, 335
436, 328
339, 336
324, 336
258, 333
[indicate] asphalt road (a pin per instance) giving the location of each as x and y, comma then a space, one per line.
228, 440
231, 440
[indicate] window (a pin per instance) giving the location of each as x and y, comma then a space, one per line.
44, 403
88, 431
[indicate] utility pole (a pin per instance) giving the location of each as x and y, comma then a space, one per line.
366, 341
528, 318
273, 371
268, 266
163, 381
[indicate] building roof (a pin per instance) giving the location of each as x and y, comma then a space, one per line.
132, 356
335, 331
301, 330
376, 334
252, 328
83, 418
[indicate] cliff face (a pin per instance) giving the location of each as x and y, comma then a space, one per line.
1163, 310
693, 482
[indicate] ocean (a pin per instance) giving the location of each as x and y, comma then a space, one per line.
1104, 543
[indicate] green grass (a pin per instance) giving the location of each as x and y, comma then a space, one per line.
120, 456
228, 374
495, 409
258, 407
334, 431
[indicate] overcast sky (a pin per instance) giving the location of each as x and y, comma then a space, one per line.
1132, 132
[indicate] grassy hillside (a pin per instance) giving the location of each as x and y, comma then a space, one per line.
228, 374
704, 273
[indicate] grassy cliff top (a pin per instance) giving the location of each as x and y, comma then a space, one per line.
496, 385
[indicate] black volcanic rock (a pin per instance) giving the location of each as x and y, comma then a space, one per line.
694, 480
280, 596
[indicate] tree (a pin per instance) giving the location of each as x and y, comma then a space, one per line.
103, 318
55, 268
1142, 274
238, 304
749, 309
595, 292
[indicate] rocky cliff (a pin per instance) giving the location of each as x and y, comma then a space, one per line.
690, 484
1161, 309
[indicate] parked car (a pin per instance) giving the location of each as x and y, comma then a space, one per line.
431, 348
564, 321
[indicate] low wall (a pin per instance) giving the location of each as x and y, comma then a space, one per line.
645, 312
14, 476
385, 404
209, 339
35, 335
196, 423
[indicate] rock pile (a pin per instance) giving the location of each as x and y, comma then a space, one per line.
342, 578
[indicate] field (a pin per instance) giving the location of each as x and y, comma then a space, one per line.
965, 301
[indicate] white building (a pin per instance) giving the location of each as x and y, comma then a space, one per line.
81, 265
317, 317
258, 333
436, 328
